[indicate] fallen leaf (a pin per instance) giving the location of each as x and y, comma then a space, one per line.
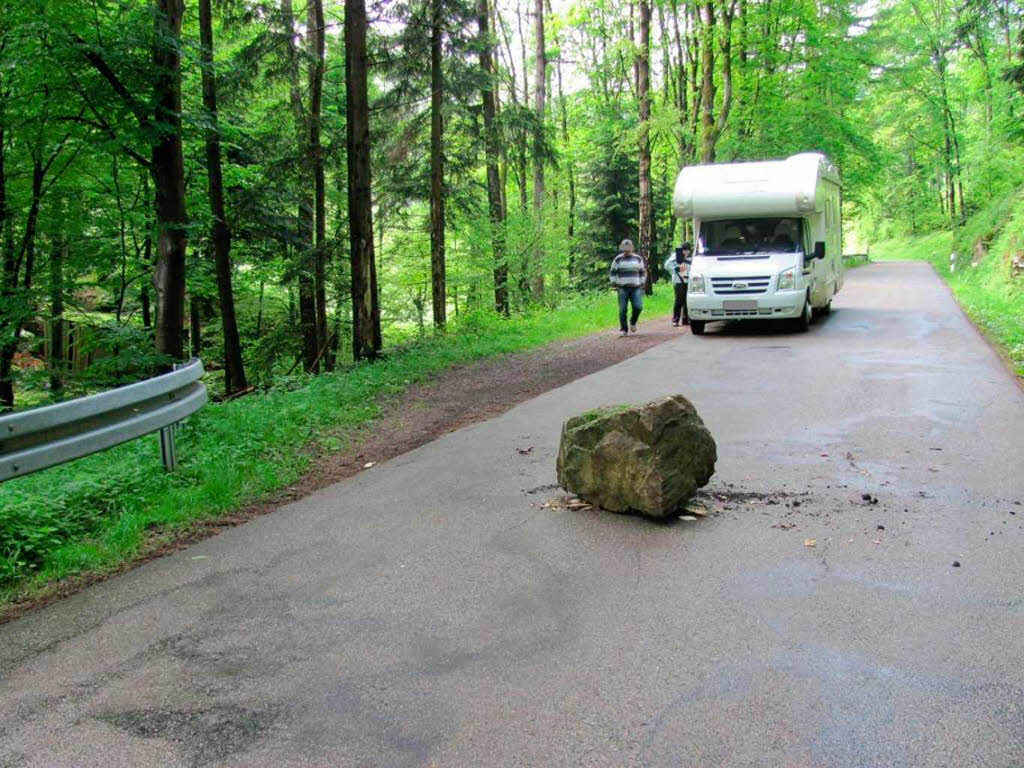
810, 542
369, 464
200, 557
525, 451
687, 517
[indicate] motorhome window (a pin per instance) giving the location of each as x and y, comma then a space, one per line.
738, 236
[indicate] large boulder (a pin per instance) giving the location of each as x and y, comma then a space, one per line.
647, 458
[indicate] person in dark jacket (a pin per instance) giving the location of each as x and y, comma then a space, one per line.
678, 265
628, 274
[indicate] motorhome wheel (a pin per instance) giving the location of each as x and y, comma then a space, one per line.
697, 327
803, 323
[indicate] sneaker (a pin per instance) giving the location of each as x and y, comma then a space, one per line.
623, 333
686, 321
675, 323
632, 328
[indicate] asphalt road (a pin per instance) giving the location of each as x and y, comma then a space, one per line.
432, 611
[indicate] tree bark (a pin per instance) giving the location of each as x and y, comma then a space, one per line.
56, 362
643, 69
366, 342
539, 96
306, 254
491, 150
571, 173
437, 250
168, 169
713, 126
195, 334
8, 283
220, 234
317, 34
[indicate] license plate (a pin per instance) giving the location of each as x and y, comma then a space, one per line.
739, 304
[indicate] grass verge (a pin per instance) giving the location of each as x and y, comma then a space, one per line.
983, 281
95, 514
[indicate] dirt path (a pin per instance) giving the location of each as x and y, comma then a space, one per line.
452, 399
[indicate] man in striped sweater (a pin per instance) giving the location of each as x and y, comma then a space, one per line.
628, 275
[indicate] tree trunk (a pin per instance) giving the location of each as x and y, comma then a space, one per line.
8, 283
365, 311
147, 314
317, 33
437, 266
56, 363
307, 319
494, 197
570, 172
713, 126
306, 253
522, 135
168, 169
643, 94
539, 83
220, 234
195, 333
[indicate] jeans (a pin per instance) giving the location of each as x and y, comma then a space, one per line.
634, 296
679, 308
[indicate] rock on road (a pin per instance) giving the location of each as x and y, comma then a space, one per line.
434, 611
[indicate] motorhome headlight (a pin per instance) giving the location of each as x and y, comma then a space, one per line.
696, 284
787, 279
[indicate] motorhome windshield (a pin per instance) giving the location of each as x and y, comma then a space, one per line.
747, 236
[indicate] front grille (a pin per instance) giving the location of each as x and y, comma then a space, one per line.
726, 286
743, 312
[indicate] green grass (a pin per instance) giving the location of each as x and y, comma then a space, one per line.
95, 513
988, 292
852, 262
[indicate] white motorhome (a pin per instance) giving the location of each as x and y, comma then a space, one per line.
768, 239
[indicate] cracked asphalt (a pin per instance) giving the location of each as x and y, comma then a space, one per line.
439, 610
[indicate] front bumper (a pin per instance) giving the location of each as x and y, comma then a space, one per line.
763, 306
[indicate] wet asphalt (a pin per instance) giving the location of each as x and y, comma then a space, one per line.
439, 610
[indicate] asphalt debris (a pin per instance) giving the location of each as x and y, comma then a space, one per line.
956, 563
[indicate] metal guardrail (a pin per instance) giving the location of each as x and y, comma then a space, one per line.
51, 435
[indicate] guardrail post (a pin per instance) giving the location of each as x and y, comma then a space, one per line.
170, 458
167, 448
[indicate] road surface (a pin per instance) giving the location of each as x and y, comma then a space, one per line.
436, 611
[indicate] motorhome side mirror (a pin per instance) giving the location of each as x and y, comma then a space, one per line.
819, 249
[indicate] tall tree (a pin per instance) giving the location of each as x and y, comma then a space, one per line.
317, 45
220, 233
643, 77
495, 204
539, 85
168, 168
437, 266
712, 126
366, 332
305, 245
